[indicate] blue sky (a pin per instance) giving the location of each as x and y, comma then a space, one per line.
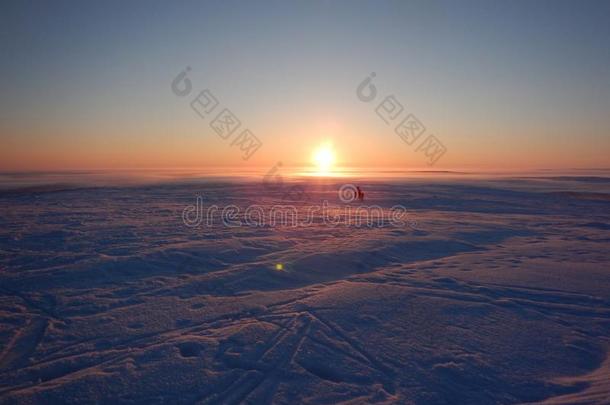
519, 83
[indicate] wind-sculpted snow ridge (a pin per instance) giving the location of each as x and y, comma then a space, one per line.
498, 292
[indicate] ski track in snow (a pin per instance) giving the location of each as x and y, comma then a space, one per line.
499, 294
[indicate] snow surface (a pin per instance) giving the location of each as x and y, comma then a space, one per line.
495, 290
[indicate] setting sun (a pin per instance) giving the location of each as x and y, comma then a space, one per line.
324, 158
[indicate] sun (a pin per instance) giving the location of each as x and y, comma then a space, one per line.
324, 158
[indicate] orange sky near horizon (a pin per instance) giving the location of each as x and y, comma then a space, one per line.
192, 148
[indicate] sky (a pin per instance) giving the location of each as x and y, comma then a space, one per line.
500, 85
